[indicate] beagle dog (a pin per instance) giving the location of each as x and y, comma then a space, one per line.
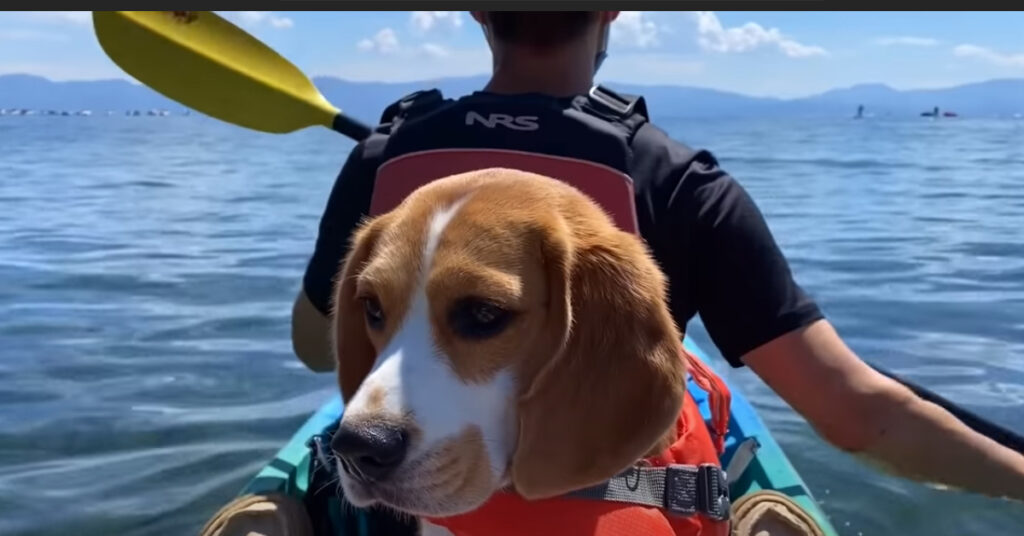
497, 331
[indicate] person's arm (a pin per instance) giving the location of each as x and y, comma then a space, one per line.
758, 316
311, 335
863, 412
348, 203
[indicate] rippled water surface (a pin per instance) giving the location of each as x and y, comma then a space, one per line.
147, 268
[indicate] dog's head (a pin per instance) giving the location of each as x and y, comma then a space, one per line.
496, 329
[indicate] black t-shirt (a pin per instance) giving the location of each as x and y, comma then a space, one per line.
703, 228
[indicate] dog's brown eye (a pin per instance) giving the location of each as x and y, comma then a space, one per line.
474, 318
374, 314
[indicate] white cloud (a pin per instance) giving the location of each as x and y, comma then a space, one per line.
907, 40
424, 21
633, 28
989, 55
259, 18
384, 42
711, 35
434, 50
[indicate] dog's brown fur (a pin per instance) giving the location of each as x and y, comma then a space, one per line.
594, 348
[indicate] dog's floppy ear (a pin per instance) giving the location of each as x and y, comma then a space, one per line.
352, 347
612, 391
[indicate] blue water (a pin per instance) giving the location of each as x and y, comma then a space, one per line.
147, 268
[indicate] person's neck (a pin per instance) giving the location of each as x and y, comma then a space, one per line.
557, 75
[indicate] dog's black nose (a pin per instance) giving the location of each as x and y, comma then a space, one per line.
370, 450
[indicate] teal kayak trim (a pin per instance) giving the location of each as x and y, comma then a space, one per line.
770, 468
288, 472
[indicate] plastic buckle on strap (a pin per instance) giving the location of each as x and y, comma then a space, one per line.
612, 100
319, 450
713, 492
681, 490
320, 447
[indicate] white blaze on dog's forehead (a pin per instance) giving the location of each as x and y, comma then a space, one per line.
417, 378
438, 223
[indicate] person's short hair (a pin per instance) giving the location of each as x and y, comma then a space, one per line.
539, 29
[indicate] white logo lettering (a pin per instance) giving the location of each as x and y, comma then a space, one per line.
522, 122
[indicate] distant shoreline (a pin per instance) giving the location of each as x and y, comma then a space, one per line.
16, 112
366, 100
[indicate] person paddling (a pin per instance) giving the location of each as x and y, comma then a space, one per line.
704, 229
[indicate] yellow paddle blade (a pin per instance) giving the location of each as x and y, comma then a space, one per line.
206, 63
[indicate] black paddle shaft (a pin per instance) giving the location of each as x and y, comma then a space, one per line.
997, 433
350, 127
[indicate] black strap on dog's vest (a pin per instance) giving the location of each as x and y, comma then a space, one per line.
683, 490
677, 489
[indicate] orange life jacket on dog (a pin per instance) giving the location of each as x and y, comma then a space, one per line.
694, 452
685, 490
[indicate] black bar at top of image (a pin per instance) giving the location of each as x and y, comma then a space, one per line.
523, 5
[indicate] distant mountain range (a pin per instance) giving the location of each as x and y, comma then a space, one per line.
365, 100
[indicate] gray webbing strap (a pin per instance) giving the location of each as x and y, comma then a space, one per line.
679, 489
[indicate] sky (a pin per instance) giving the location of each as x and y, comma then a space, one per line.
782, 54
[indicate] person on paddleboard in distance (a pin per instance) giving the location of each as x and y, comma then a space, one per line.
706, 232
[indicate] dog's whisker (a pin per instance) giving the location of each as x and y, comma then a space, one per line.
336, 480
352, 469
347, 506
325, 458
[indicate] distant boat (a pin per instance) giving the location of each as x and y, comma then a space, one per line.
860, 112
949, 114
933, 113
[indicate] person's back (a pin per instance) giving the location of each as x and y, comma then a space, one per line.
703, 229
681, 196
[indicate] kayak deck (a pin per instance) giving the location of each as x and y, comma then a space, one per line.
769, 467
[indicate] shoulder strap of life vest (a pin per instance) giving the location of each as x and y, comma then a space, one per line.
394, 114
411, 104
626, 112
